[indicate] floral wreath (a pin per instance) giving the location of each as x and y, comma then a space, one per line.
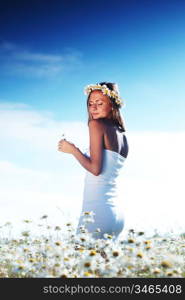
105, 90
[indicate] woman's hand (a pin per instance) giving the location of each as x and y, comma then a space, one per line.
65, 146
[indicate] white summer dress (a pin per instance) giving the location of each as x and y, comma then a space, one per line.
100, 196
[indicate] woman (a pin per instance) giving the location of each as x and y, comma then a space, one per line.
107, 153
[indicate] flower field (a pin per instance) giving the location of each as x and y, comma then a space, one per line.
58, 252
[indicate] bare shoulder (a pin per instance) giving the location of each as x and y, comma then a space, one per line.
96, 124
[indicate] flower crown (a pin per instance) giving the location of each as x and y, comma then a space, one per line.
105, 90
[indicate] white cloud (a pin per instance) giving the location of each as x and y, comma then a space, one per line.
17, 60
152, 188
39, 130
38, 57
8, 106
35, 177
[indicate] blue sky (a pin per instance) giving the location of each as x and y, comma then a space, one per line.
50, 50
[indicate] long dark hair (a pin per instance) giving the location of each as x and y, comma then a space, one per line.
116, 116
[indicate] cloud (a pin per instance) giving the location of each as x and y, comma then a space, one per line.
7, 46
17, 60
22, 123
37, 57
35, 177
23, 187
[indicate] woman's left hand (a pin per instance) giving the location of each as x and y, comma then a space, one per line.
65, 146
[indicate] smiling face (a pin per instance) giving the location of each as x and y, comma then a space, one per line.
99, 105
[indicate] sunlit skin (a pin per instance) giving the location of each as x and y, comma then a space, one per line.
99, 106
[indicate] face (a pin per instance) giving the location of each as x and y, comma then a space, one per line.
99, 105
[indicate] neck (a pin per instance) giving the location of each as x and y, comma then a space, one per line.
109, 121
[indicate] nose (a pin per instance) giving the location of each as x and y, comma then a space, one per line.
94, 104
94, 107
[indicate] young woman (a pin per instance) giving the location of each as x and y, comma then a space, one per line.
104, 160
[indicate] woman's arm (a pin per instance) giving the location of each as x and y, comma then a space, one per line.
93, 163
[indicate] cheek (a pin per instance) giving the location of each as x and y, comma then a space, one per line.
107, 109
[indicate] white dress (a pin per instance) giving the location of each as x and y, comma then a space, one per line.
100, 196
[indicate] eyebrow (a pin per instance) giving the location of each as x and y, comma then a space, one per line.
96, 100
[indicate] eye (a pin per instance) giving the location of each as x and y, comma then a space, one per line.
98, 104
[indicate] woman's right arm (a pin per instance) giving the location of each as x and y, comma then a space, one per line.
93, 163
